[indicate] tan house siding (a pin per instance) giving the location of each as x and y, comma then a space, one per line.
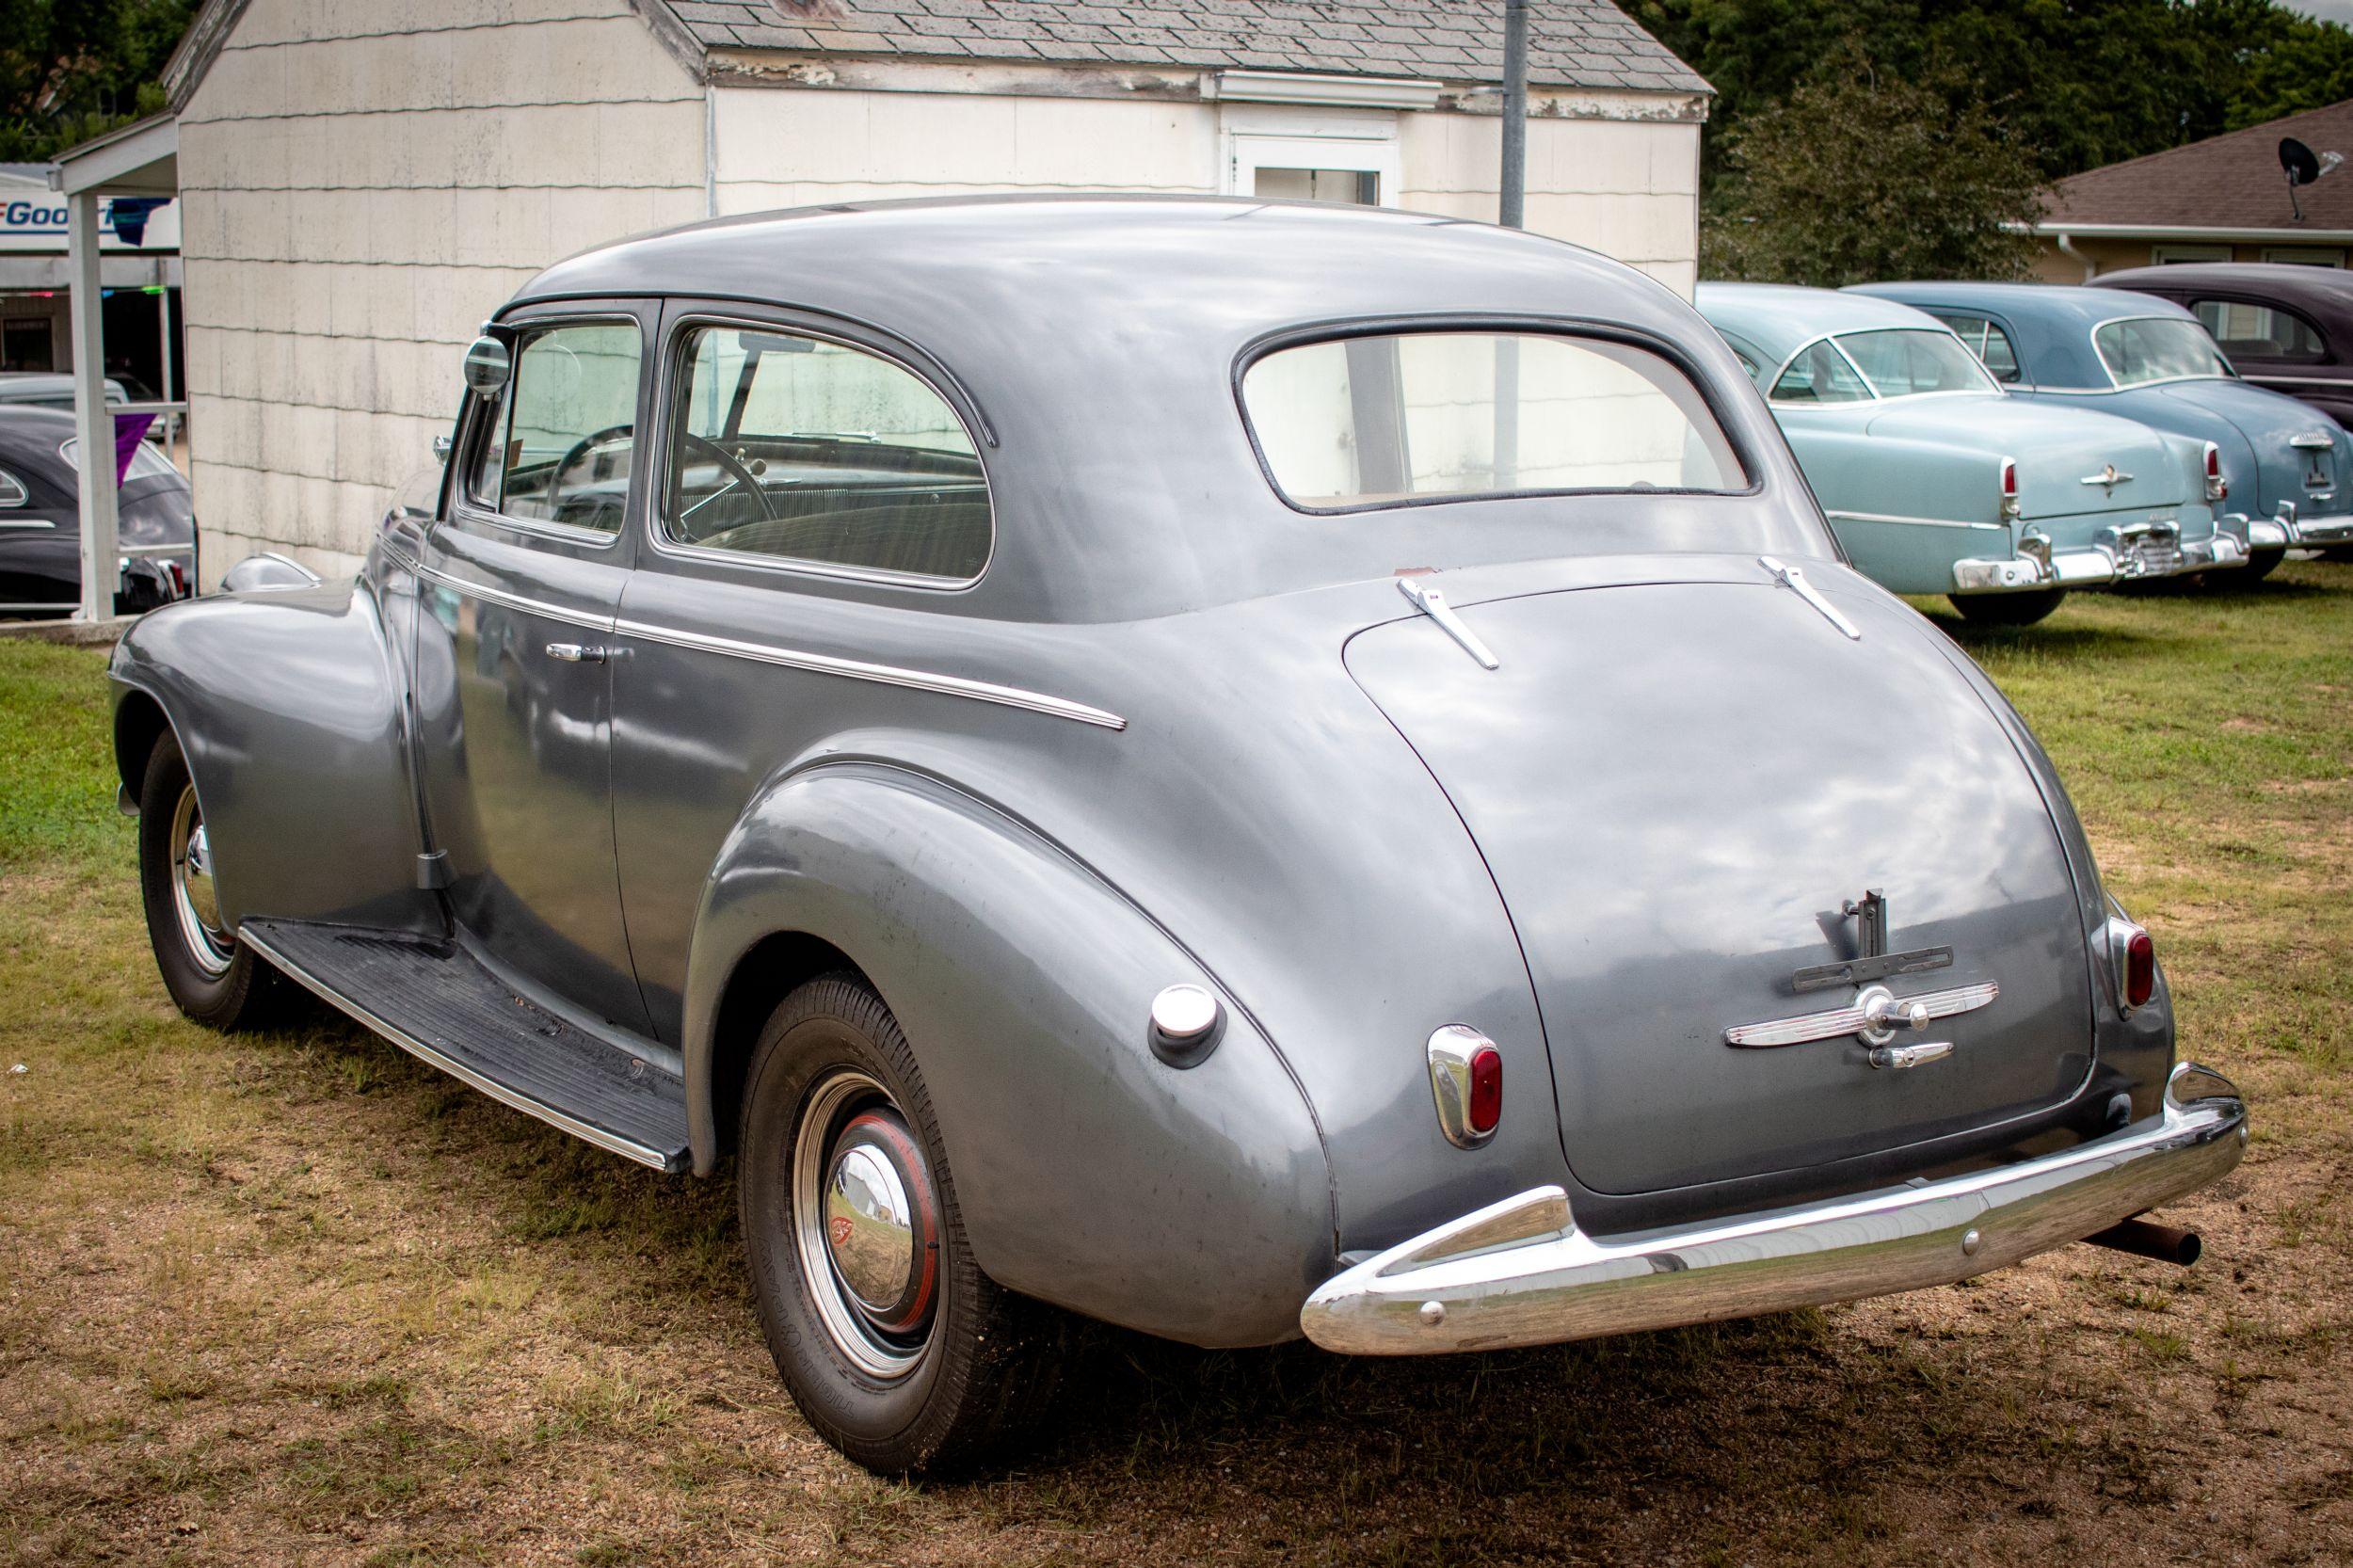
360, 186
2110, 254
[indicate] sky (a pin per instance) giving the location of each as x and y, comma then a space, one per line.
2328, 11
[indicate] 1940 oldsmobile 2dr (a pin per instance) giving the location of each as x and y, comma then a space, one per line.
1236, 768
1937, 483
2287, 470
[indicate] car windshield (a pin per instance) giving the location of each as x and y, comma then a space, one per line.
1903, 361
1377, 420
2157, 348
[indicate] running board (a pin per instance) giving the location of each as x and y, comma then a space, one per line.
435, 1000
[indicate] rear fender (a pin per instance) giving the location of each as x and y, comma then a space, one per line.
1195, 1204
287, 707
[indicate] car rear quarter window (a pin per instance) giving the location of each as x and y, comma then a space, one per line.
2252, 332
1819, 373
1384, 419
1984, 337
804, 450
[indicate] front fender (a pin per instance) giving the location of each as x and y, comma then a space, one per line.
1195, 1204
287, 707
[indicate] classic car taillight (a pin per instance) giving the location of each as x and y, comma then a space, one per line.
2216, 487
1467, 1082
1486, 1090
2010, 486
2141, 968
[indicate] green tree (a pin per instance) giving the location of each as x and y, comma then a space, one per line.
1858, 175
71, 69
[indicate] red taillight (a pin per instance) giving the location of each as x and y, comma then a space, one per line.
2141, 969
2009, 480
1486, 1090
2215, 488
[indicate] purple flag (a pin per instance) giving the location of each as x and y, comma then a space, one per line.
130, 429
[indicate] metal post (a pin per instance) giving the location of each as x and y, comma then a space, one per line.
93, 421
1512, 211
163, 319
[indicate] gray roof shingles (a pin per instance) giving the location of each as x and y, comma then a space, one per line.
1575, 43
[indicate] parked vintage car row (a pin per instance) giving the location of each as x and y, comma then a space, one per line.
1240, 769
2005, 443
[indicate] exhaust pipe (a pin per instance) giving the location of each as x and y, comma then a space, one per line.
2166, 1243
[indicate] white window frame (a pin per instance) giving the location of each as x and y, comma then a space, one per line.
2305, 255
1266, 136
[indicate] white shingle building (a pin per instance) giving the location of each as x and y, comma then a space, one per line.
363, 183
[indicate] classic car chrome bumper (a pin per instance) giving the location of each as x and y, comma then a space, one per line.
1520, 1273
2123, 555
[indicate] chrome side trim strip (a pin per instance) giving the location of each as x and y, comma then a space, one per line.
497, 596
1854, 1019
612, 1142
887, 674
1522, 1272
1919, 522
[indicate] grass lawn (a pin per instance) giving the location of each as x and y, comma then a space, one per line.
292, 1298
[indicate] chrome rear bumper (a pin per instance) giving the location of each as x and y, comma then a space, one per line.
1520, 1273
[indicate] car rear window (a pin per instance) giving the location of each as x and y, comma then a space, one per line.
1386, 419
2156, 348
1904, 361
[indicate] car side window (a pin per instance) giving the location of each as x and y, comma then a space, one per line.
12, 492
2260, 331
562, 441
1986, 341
800, 449
1819, 373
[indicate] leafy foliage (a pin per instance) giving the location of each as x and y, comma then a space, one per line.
71, 69
2081, 83
1857, 176
1813, 172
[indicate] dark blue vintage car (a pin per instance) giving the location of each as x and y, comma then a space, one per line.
41, 523
2288, 467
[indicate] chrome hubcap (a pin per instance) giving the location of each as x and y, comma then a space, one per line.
866, 1223
193, 899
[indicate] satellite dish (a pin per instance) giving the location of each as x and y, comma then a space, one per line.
2302, 166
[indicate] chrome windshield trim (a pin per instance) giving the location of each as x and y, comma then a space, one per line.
1521, 1272
1833, 1022
887, 674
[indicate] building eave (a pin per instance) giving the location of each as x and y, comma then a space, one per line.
2192, 232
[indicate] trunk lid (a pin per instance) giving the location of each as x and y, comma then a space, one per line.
2056, 449
1675, 787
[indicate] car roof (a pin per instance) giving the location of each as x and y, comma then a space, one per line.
1100, 339
2288, 280
2050, 324
1782, 318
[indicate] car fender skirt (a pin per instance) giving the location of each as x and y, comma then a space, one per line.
1521, 1272
1192, 1202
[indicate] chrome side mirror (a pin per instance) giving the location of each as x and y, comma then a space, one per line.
488, 367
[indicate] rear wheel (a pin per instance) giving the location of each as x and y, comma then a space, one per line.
2261, 564
213, 978
898, 1350
2007, 609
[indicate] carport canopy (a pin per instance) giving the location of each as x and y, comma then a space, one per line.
140, 159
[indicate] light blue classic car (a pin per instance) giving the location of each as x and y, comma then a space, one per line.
1938, 481
2288, 468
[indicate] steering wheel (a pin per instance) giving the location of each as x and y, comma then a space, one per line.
582, 447
741, 476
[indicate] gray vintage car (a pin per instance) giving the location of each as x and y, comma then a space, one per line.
1234, 768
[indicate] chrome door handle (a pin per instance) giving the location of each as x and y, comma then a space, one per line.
576, 653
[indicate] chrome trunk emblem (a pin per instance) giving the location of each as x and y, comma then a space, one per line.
2107, 478
1873, 1017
